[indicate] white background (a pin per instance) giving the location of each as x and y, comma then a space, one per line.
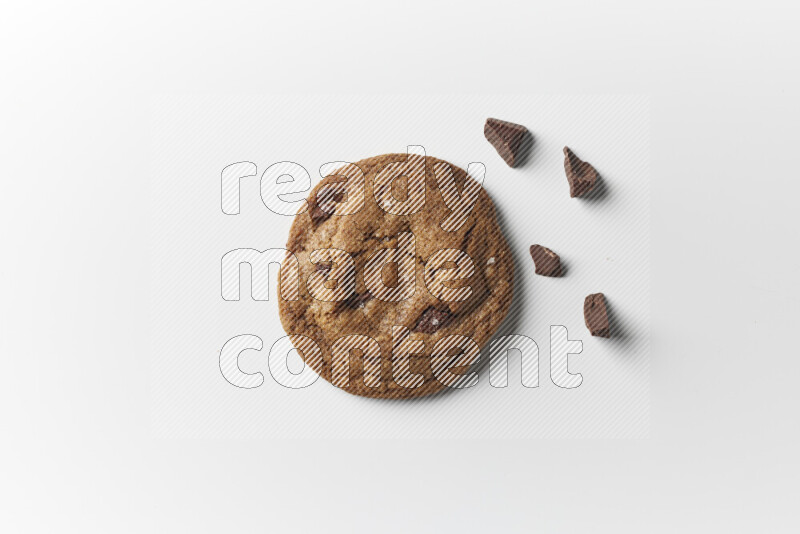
79, 451
603, 240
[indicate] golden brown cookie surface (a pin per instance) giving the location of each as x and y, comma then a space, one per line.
347, 315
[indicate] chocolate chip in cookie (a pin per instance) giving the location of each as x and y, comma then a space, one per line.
432, 319
318, 215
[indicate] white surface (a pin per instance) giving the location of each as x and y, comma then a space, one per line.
79, 451
604, 243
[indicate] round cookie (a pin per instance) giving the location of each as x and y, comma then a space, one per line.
344, 324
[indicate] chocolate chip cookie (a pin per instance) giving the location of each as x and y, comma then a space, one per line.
403, 272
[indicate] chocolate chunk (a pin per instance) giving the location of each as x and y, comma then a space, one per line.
323, 266
357, 301
319, 215
510, 140
432, 319
596, 315
546, 261
582, 176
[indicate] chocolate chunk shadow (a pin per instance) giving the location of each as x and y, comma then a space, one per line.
599, 193
621, 331
527, 147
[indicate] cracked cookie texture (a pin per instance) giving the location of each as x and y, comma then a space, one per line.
422, 316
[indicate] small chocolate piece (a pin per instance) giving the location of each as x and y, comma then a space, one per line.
546, 261
432, 319
596, 315
509, 139
323, 266
582, 176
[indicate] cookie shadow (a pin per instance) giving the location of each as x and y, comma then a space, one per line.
565, 267
513, 319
